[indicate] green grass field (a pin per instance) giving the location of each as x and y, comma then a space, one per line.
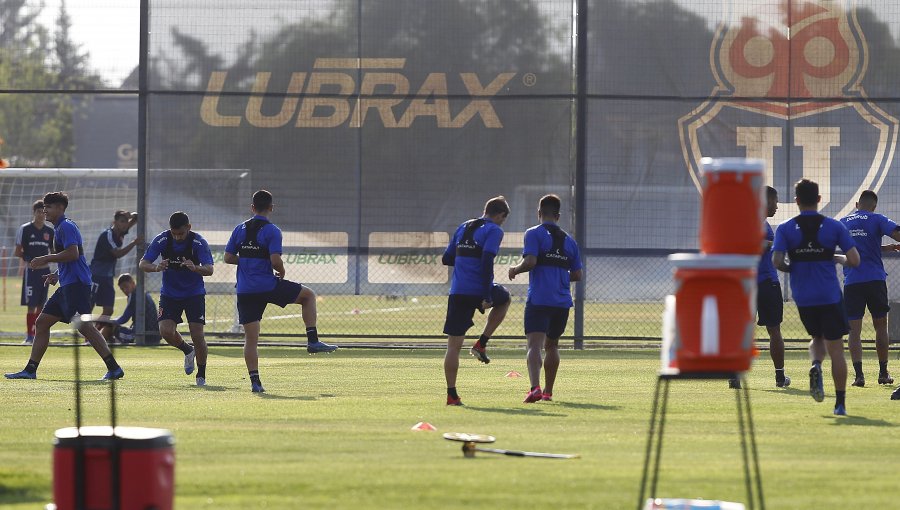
334, 431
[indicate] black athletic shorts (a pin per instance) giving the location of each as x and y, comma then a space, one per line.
251, 306
858, 296
550, 320
828, 321
461, 308
193, 308
769, 303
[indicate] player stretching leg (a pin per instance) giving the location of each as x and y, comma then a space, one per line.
471, 252
73, 296
34, 239
186, 259
255, 246
552, 257
810, 239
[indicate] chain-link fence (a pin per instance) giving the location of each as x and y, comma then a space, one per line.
381, 125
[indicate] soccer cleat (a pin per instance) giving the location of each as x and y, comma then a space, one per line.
859, 381
118, 373
481, 353
547, 396
896, 394
201, 381
320, 346
840, 410
189, 362
816, 386
783, 384
451, 401
533, 396
885, 378
24, 374
29, 340
257, 388
734, 384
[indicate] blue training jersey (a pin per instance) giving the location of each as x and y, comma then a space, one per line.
35, 242
548, 284
76, 271
867, 228
150, 312
467, 278
766, 270
177, 282
255, 274
103, 264
814, 283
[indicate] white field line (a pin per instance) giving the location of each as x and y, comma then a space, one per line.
351, 312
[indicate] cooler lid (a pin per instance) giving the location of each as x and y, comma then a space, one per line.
130, 438
732, 165
703, 261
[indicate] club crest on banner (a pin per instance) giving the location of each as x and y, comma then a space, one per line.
789, 90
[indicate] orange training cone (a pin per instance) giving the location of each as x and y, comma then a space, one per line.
423, 425
513, 373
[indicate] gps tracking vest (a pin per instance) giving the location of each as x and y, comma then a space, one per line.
250, 247
556, 256
176, 258
810, 250
466, 246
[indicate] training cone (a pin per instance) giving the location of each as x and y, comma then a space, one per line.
513, 373
423, 425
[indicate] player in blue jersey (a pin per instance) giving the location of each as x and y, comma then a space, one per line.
73, 297
116, 328
810, 240
552, 257
866, 285
185, 260
255, 246
107, 252
34, 239
769, 300
471, 252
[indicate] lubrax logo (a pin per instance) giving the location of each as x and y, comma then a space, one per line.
337, 78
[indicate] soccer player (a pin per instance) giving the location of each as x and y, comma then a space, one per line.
810, 240
33, 239
255, 246
107, 251
186, 259
769, 301
116, 328
866, 285
471, 252
552, 257
73, 295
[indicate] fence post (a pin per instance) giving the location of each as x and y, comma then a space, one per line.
581, 24
140, 319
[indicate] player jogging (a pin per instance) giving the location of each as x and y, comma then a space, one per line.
866, 285
255, 246
552, 257
769, 300
810, 240
471, 252
33, 239
186, 259
107, 252
73, 295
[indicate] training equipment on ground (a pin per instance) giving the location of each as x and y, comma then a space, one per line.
470, 440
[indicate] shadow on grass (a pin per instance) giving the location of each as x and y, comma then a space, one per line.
860, 420
580, 405
790, 390
211, 387
271, 396
532, 411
